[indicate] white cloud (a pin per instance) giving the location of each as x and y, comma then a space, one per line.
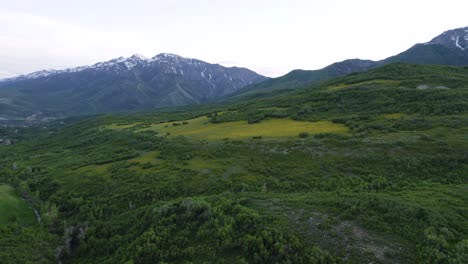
29, 43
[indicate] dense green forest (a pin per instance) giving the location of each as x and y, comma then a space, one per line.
367, 168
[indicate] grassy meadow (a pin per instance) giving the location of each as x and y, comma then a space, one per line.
13, 208
202, 129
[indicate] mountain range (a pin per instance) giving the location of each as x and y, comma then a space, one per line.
121, 84
138, 83
450, 48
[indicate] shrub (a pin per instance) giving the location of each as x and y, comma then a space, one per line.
253, 120
147, 165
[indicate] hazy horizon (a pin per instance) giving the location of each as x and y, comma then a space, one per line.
269, 37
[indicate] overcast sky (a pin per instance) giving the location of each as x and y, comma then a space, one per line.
271, 37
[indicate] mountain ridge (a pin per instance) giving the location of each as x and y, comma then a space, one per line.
457, 37
129, 62
447, 48
121, 84
167, 80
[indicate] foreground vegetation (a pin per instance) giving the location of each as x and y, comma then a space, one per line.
364, 168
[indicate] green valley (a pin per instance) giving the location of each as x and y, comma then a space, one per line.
365, 168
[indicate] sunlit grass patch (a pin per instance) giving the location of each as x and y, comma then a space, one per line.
147, 161
13, 208
201, 164
198, 163
274, 108
368, 83
102, 168
122, 126
201, 128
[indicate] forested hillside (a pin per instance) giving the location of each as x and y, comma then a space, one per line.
449, 48
367, 168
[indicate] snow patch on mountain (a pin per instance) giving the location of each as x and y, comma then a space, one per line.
140, 57
455, 39
457, 43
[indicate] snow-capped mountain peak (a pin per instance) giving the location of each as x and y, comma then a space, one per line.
130, 83
455, 39
117, 64
139, 57
169, 57
42, 73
